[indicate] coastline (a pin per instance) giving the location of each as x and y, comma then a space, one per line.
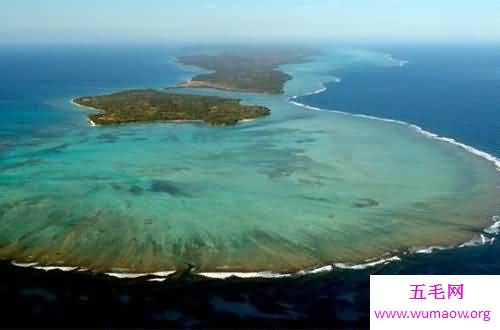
92, 124
477, 240
72, 101
174, 121
418, 129
487, 237
206, 84
199, 84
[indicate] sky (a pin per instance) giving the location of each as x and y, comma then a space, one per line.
78, 21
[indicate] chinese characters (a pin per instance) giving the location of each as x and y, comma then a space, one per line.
436, 292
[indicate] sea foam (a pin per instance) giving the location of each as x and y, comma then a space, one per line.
418, 129
226, 275
160, 275
373, 263
494, 229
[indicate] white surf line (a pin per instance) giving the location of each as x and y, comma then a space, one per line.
72, 101
92, 123
318, 91
226, 275
247, 120
127, 275
322, 88
392, 59
432, 249
418, 129
368, 264
494, 229
318, 270
322, 269
24, 264
265, 274
46, 268
482, 240
62, 268
162, 274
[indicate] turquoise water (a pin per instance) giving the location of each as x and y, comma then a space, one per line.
296, 190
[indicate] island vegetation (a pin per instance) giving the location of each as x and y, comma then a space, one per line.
152, 105
245, 70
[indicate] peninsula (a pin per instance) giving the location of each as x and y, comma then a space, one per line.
152, 105
244, 71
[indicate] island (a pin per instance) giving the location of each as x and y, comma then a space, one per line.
245, 70
152, 105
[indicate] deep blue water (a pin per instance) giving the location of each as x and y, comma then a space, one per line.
452, 91
39, 73
36, 83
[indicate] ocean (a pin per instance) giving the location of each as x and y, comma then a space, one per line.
449, 90
58, 174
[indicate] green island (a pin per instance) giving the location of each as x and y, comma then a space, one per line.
245, 70
152, 105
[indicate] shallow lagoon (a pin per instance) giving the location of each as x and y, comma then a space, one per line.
297, 190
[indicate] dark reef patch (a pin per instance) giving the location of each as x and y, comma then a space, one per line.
277, 163
168, 187
57, 149
133, 189
278, 172
171, 138
57, 215
317, 199
421, 205
116, 186
305, 140
4, 147
315, 182
29, 162
270, 132
107, 138
365, 203
136, 190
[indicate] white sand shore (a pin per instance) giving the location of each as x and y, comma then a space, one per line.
92, 124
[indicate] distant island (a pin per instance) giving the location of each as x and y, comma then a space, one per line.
245, 71
152, 105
